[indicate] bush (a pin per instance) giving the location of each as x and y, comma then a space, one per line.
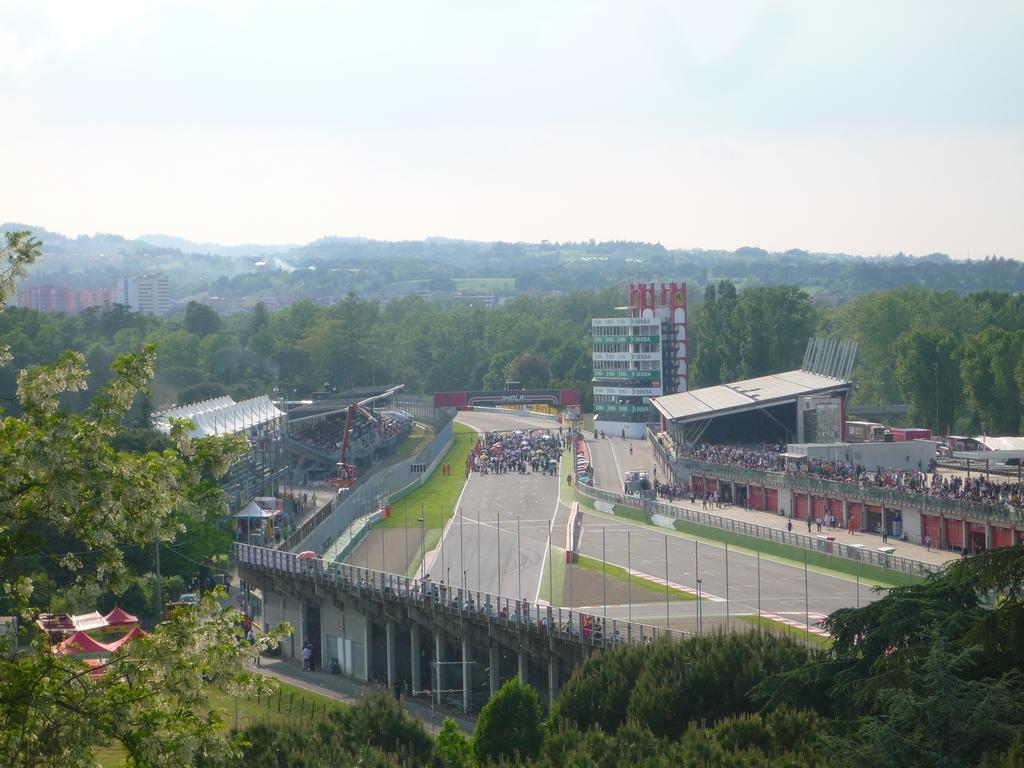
509, 726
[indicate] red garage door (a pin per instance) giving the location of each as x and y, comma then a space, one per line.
756, 497
1002, 537
771, 500
835, 508
698, 485
1020, 537
711, 486
801, 507
931, 525
818, 507
955, 534
856, 512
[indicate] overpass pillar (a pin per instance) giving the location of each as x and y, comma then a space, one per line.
494, 659
522, 666
389, 626
414, 654
466, 665
439, 666
552, 679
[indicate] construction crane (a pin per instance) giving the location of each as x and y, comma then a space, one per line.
346, 474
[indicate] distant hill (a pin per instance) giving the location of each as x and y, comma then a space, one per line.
240, 251
328, 268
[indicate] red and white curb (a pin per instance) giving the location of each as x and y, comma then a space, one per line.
815, 619
672, 585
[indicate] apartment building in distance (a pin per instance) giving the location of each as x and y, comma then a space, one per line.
145, 293
70, 301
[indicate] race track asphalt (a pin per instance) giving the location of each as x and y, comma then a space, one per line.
735, 582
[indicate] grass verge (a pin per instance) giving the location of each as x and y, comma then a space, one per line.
779, 628
620, 574
818, 561
435, 500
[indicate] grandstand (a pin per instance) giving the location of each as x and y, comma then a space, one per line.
807, 405
317, 431
263, 425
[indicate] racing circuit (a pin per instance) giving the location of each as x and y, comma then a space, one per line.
498, 542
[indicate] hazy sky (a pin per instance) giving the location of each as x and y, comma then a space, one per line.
866, 127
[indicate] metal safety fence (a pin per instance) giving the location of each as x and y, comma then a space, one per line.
565, 624
802, 541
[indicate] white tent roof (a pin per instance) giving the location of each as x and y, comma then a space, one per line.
220, 416
1001, 443
254, 510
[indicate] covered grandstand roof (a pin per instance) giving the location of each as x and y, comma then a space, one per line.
748, 395
221, 415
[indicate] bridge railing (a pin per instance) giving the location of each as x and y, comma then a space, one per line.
802, 541
565, 624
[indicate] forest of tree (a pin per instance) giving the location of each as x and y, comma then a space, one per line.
958, 360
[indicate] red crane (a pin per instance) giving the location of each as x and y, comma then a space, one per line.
347, 474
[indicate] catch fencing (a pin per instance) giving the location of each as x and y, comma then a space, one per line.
802, 541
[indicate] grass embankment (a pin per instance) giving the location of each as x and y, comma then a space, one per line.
818, 561
621, 574
418, 439
289, 704
778, 628
435, 499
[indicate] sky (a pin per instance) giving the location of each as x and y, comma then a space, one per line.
868, 127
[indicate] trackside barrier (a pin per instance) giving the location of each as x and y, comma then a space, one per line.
514, 412
802, 541
332, 519
449, 603
351, 537
572, 533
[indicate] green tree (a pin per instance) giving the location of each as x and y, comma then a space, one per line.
61, 478
928, 374
451, 748
509, 726
202, 320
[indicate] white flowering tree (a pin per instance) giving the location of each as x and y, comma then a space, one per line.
60, 479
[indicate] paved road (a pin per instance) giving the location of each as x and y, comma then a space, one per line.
781, 584
499, 537
472, 543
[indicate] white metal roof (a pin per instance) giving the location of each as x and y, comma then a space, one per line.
751, 394
220, 416
1001, 443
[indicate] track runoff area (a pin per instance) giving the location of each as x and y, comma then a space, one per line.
507, 533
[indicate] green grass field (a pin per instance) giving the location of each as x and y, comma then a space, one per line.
435, 500
485, 283
620, 574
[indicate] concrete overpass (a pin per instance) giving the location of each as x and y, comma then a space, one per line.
450, 643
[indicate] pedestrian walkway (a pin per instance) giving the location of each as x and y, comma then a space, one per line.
643, 455
348, 691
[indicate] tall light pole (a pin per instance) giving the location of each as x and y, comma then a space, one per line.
423, 549
604, 572
519, 559
629, 576
462, 552
499, 555
935, 365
